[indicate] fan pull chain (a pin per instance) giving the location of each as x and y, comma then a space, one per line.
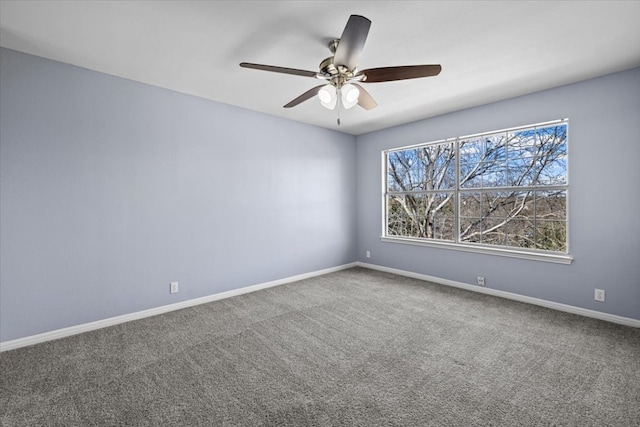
339, 102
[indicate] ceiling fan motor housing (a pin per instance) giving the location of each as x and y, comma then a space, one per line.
337, 74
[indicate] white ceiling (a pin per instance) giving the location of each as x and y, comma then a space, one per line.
489, 50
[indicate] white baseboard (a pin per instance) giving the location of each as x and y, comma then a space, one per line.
627, 321
86, 327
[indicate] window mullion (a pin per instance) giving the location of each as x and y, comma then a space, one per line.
456, 202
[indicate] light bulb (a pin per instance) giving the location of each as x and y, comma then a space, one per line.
327, 96
324, 95
350, 95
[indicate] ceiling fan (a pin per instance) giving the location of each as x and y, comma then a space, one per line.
342, 75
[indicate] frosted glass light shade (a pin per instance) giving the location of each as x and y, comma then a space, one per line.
328, 97
350, 95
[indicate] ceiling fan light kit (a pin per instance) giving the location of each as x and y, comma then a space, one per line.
350, 95
341, 73
329, 95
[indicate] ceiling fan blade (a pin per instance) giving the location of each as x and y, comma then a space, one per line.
352, 42
365, 100
283, 70
308, 94
388, 74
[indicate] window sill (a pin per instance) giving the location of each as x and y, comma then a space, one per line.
533, 256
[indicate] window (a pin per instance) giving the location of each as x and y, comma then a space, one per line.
503, 190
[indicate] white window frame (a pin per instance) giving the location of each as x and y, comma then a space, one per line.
506, 251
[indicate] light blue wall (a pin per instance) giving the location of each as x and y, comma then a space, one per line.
111, 189
604, 196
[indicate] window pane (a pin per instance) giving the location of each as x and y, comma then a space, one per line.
471, 153
551, 205
522, 144
521, 157
440, 216
469, 175
494, 169
471, 211
406, 215
494, 230
495, 147
482, 162
510, 204
538, 156
396, 216
440, 166
470, 229
521, 205
471, 150
553, 172
495, 209
470, 204
445, 171
555, 134
551, 235
402, 171
496, 203
520, 172
424, 168
520, 233
552, 155
496, 176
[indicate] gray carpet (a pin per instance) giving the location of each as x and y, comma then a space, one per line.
353, 348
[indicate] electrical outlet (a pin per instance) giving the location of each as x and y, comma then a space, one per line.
599, 295
368, 254
480, 281
174, 288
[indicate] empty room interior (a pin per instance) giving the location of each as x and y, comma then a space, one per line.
319, 213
